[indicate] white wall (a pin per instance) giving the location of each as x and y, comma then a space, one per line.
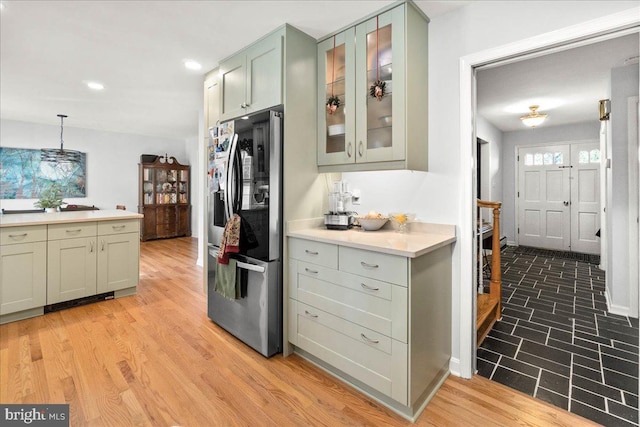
528, 137
112, 159
624, 84
436, 196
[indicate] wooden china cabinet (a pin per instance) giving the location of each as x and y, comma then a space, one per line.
163, 199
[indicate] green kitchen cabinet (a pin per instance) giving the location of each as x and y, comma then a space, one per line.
118, 255
23, 268
71, 261
364, 132
251, 80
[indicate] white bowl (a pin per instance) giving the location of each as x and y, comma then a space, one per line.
336, 129
371, 224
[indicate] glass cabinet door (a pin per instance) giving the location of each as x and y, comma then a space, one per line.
183, 186
379, 60
147, 186
166, 185
336, 121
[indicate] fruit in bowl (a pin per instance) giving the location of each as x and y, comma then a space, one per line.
402, 220
372, 221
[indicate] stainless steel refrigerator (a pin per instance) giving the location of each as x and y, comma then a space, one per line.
245, 171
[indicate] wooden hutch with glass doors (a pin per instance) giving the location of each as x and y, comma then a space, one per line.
163, 199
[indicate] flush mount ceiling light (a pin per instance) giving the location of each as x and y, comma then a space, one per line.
192, 65
534, 118
53, 155
95, 85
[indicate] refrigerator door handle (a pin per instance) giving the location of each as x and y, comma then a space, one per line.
237, 202
240, 264
249, 266
229, 195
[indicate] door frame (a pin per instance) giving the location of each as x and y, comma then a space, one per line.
517, 177
586, 32
634, 201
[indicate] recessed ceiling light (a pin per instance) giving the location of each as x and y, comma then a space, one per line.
192, 65
95, 85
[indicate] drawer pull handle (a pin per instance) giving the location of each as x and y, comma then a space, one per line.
117, 227
369, 288
310, 314
310, 271
102, 245
14, 236
77, 230
367, 339
91, 247
365, 265
310, 252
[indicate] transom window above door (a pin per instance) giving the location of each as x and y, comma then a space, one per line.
592, 156
547, 158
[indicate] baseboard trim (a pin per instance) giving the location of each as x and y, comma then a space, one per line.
454, 367
616, 309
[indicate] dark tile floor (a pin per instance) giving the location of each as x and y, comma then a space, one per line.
557, 342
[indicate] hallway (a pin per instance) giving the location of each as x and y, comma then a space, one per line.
556, 341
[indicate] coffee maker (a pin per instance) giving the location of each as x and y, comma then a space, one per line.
339, 216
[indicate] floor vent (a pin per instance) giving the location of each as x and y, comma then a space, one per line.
78, 302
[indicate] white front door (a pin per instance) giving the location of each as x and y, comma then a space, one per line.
585, 197
544, 195
559, 197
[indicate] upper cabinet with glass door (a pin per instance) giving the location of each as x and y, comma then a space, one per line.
336, 137
378, 72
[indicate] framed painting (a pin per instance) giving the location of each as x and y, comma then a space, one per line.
23, 175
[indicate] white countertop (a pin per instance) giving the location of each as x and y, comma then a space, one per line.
15, 220
421, 239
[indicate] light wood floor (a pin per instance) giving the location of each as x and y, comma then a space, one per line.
155, 359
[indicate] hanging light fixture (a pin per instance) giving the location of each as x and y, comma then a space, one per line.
534, 118
53, 155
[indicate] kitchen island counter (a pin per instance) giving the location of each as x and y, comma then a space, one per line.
50, 261
421, 239
17, 220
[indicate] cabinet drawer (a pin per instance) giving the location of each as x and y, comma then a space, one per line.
25, 234
378, 361
118, 227
385, 267
373, 304
72, 230
314, 252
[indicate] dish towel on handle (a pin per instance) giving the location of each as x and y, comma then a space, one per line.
226, 283
230, 243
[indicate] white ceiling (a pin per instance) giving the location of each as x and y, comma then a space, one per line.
567, 85
136, 49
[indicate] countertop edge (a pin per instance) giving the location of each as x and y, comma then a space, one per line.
436, 240
21, 220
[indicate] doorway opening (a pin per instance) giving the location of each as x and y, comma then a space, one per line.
558, 340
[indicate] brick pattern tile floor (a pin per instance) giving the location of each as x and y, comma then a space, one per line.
557, 342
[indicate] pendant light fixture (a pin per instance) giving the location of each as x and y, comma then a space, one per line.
53, 155
534, 118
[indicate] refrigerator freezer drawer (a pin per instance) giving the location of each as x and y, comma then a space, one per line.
255, 319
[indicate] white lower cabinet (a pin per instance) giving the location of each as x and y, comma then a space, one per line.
380, 319
118, 255
104, 259
47, 264
23, 268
